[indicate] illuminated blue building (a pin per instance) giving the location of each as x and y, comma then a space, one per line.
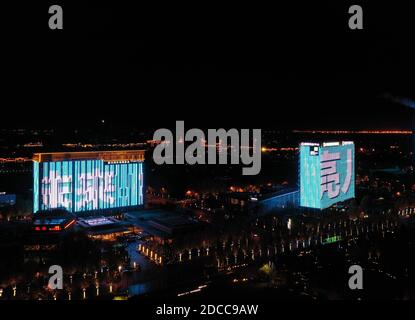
327, 174
286, 198
88, 181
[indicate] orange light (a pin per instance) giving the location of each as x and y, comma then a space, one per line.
69, 224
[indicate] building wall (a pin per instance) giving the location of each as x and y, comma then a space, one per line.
7, 199
309, 176
327, 174
87, 185
283, 201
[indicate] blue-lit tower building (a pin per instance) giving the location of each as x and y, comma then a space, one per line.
82, 182
327, 173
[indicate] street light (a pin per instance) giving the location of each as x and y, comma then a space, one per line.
119, 268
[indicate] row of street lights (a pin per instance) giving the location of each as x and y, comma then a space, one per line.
150, 254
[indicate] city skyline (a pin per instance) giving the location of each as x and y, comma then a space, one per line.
192, 161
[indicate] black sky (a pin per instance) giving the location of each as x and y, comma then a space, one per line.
291, 66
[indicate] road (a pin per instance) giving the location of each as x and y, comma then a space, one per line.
144, 263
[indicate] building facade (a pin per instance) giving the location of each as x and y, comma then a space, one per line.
282, 200
327, 173
88, 181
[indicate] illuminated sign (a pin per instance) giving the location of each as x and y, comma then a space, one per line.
85, 185
326, 174
333, 239
53, 224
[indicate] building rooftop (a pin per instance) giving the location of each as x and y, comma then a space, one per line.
161, 223
327, 144
174, 221
103, 225
98, 222
282, 192
110, 156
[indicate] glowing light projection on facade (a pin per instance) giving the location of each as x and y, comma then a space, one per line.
326, 173
88, 181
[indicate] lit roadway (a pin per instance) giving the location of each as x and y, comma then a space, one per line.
142, 261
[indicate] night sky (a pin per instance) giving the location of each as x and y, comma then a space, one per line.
293, 66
